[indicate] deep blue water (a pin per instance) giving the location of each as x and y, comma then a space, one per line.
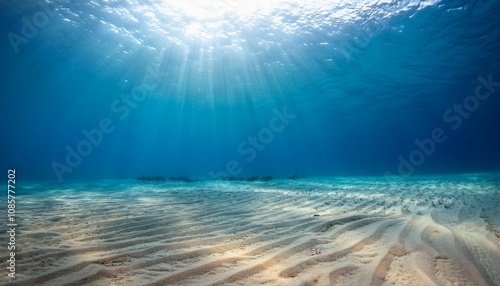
321, 88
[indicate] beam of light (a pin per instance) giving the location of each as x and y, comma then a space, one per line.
232, 49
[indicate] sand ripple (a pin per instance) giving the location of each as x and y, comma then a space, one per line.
426, 232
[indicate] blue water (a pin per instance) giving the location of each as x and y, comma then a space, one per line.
119, 89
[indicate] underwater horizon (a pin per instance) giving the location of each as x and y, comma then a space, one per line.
214, 89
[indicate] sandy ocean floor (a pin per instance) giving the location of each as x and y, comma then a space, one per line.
343, 231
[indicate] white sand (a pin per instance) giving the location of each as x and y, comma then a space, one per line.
427, 231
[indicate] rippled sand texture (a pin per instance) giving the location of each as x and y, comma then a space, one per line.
302, 232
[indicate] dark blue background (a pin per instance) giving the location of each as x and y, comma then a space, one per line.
361, 96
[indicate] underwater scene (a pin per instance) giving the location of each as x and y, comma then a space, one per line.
261, 142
